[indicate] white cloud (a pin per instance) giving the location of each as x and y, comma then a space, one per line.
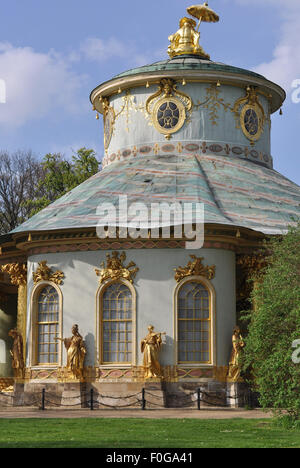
99, 50
36, 84
96, 49
284, 67
39, 84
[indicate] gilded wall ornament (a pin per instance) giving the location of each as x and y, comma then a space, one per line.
127, 107
45, 273
213, 103
115, 268
108, 122
250, 115
17, 273
168, 108
195, 268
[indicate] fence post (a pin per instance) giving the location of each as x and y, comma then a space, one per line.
199, 399
92, 399
143, 399
43, 400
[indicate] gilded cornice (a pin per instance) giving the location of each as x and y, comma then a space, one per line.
240, 240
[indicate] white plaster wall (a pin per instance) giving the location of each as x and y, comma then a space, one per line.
155, 287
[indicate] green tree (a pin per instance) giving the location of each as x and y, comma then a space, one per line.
61, 175
275, 325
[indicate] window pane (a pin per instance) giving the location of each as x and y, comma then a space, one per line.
47, 326
117, 324
194, 323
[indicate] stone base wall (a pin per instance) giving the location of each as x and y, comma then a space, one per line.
122, 395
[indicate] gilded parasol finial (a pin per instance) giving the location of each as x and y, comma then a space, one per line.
186, 40
203, 13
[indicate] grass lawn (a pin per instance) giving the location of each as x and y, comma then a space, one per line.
144, 433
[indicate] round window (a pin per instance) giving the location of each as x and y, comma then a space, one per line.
168, 115
252, 122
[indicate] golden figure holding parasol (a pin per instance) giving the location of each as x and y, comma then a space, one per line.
186, 40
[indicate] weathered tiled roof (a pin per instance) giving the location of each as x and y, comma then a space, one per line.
235, 192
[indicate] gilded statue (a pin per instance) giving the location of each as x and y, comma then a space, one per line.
151, 346
238, 344
17, 353
76, 351
186, 40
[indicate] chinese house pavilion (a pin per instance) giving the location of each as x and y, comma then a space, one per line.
150, 311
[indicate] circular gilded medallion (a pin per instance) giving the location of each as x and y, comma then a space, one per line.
252, 121
168, 115
108, 124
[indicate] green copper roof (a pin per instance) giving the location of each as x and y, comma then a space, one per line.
234, 192
188, 62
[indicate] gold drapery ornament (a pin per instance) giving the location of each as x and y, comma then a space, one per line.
76, 351
234, 373
45, 273
17, 273
195, 268
109, 118
150, 347
115, 268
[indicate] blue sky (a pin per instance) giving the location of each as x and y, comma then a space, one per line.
53, 53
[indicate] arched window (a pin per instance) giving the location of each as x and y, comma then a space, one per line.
116, 324
47, 326
194, 323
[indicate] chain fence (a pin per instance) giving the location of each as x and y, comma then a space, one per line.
198, 399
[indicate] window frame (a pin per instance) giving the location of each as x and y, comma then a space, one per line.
33, 357
99, 324
212, 310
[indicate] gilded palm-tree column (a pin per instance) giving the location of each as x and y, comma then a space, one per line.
18, 277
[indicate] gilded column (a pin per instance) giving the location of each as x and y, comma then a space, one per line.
18, 277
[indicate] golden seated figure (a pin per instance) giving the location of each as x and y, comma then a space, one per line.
186, 40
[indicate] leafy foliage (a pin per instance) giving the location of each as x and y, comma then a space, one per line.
274, 325
61, 175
